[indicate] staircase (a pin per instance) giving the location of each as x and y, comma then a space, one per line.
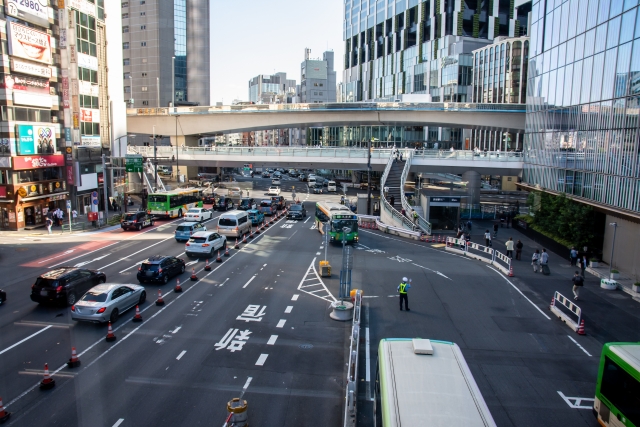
421, 224
394, 183
392, 179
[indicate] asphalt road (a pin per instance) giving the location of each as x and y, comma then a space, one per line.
187, 359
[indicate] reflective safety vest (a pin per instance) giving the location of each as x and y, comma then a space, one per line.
403, 287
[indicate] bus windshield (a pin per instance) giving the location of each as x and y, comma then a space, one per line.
157, 198
338, 224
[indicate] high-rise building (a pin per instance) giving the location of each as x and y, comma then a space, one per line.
317, 79
166, 45
583, 103
272, 89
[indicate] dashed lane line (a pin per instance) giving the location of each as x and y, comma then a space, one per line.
250, 280
281, 323
295, 297
262, 359
120, 421
579, 346
520, 292
272, 340
181, 354
26, 339
288, 309
176, 330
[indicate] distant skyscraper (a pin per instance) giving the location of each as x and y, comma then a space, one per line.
154, 31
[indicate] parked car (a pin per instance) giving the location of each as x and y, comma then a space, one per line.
3, 295
224, 203
205, 243
198, 214
273, 191
105, 303
136, 221
266, 174
65, 285
246, 204
255, 216
296, 212
279, 201
160, 268
185, 230
235, 223
277, 174
275, 181
268, 207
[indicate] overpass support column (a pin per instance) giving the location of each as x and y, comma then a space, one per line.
473, 186
181, 141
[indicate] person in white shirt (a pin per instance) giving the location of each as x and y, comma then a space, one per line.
487, 238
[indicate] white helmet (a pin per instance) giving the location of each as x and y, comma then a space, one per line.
404, 279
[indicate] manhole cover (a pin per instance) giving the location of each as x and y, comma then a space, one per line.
21, 249
306, 346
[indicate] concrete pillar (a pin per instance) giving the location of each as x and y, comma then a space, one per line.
189, 172
473, 186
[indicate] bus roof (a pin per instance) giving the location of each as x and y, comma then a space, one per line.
629, 352
428, 389
330, 207
176, 191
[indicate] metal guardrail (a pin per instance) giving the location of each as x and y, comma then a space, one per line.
470, 155
422, 224
76, 226
351, 394
480, 252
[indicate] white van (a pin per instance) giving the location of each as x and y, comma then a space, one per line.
312, 181
234, 223
331, 186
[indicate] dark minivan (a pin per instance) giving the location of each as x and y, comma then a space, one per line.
224, 203
65, 285
247, 203
160, 269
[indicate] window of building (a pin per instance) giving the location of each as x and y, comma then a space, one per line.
125, 29
125, 4
143, 27
87, 128
88, 101
142, 13
86, 34
127, 89
315, 84
144, 74
145, 102
321, 84
142, 2
143, 43
315, 93
125, 15
143, 88
125, 61
320, 93
87, 75
127, 75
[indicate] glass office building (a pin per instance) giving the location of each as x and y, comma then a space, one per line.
180, 49
583, 101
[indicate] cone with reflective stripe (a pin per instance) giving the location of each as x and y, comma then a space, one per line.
580, 330
177, 289
265, 224
47, 382
110, 335
218, 259
251, 234
193, 275
258, 229
226, 251
237, 246
4, 415
207, 267
137, 317
159, 301
74, 362
244, 238
511, 271
553, 302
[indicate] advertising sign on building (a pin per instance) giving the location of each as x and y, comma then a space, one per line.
83, 6
67, 134
36, 162
90, 116
76, 120
72, 54
28, 90
27, 43
70, 174
35, 139
87, 61
30, 68
34, 11
86, 88
62, 41
90, 141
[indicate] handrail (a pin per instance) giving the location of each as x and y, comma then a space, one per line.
423, 224
404, 221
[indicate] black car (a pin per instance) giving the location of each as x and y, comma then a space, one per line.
266, 174
294, 174
316, 190
65, 285
160, 268
279, 201
209, 199
3, 296
136, 221
247, 203
224, 203
296, 212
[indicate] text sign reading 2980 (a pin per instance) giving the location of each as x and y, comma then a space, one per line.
35, 11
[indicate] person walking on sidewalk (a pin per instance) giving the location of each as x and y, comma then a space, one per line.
510, 243
535, 260
403, 288
487, 238
495, 230
519, 246
49, 223
392, 200
573, 256
544, 262
583, 264
578, 282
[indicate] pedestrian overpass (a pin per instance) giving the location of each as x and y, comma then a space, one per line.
192, 121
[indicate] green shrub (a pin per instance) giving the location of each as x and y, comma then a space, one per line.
615, 271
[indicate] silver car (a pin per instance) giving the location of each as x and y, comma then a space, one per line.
104, 303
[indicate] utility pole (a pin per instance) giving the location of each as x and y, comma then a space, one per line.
104, 187
369, 178
155, 160
158, 90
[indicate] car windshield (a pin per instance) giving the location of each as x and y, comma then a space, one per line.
228, 222
197, 239
295, 208
265, 204
244, 202
339, 224
193, 211
94, 297
150, 267
129, 217
184, 228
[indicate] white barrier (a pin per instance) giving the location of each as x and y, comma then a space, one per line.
351, 395
573, 309
481, 253
402, 232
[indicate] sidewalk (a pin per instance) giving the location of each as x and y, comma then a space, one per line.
57, 230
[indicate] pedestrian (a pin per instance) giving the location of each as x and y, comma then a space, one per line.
487, 239
495, 230
60, 216
519, 246
403, 212
469, 225
74, 214
392, 200
49, 224
415, 217
403, 288
400, 156
578, 282
510, 244
573, 256
583, 264
463, 241
535, 260
544, 262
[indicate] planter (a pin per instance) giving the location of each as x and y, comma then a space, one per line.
594, 264
615, 276
608, 284
635, 288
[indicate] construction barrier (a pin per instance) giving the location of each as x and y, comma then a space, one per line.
567, 311
351, 396
481, 253
402, 232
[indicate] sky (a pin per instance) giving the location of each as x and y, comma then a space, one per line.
252, 37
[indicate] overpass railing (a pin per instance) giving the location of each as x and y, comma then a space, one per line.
341, 106
423, 224
494, 156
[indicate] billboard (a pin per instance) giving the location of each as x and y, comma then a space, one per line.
91, 116
30, 68
27, 43
35, 139
36, 162
29, 90
34, 11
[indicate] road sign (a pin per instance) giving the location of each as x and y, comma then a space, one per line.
94, 198
68, 204
133, 163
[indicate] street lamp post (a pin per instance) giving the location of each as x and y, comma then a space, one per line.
132, 99
369, 179
613, 245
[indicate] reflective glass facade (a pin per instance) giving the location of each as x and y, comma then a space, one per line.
583, 100
180, 48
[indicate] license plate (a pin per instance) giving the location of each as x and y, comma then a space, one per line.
43, 292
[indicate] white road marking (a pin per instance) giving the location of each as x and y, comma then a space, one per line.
437, 272
62, 254
288, 309
295, 297
369, 296
181, 354
265, 265
581, 347
120, 421
578, 401
368, 361
262, 359
246, 384
135, 253
272, 340
176, 330
26, 339
250, 280
318, 253
520, 292
305, 221
281, 323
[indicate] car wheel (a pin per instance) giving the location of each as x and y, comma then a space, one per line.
101, 281
180, 213
71, 298
138, 227
152, 223
182, 268
165, 279
143, 297
114, 315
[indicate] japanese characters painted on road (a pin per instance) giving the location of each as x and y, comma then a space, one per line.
233, 340
253, 313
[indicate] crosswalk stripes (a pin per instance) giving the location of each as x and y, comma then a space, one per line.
317, 288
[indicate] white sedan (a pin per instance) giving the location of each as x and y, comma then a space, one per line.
198, 214
275, 181
273, 191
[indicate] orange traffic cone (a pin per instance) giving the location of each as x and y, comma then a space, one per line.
110, 335
4, 415
237, 246
226, 251
193, 275
207, 267
218, 259
74, 362
47, 382
159, 301
580, 330
439, 239
137, 317
258, 229
553, 302
244, 239
265, 224
511, 271
178, 288
251, 234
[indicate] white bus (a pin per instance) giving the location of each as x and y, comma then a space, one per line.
422, 382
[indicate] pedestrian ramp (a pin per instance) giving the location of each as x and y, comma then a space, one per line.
568, 312
313, 285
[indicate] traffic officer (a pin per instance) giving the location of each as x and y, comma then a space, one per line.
403, 288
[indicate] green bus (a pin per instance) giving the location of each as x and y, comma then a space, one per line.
332, 218
617, 401
174, 204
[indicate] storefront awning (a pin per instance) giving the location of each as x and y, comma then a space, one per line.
28, 199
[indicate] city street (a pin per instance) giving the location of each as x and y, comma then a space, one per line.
259, 323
